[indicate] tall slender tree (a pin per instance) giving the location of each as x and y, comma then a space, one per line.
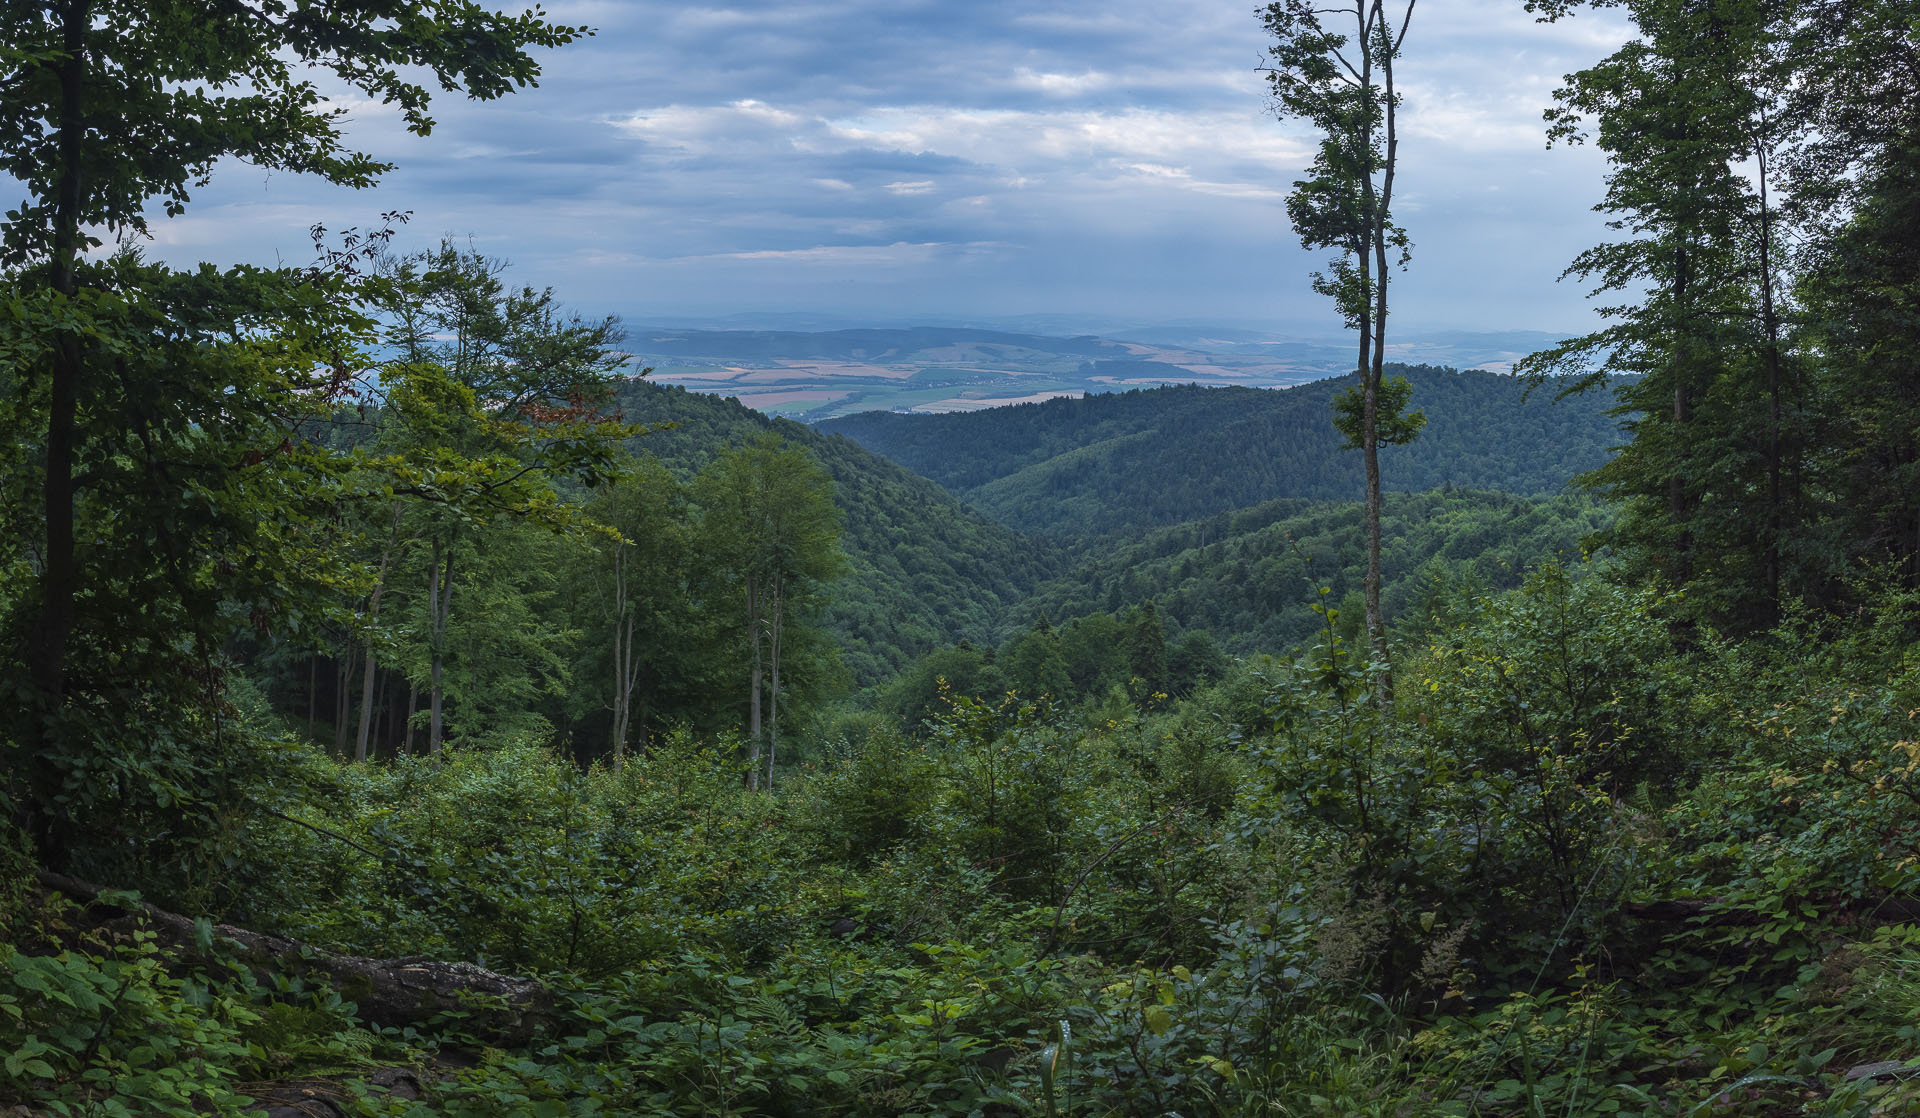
1339, 78
641, 632
771, 533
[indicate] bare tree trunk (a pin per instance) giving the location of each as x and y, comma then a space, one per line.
1776, 493
342, 687
386, 731
52, 628
1379, 220
753, 689
1677, 502
1379, 232
440, 591
373, 615
776, 626
393, 992
367, 672
623, 668
413, 703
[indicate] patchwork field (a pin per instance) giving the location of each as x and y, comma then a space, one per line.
813, 376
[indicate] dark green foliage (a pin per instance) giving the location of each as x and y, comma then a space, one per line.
1154, 457
198, 520
1034, 664
925, 690
1759, 164
154, 478
1248, 578
1552, 704
1196, 661
869, 798
1396, 425
1863, 303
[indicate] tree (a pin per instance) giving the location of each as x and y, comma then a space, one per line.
1196, 661
1714, 480
1861, 297
640, 624
1852, 173
1149, 677
1343, 85
1035, 666
493, 395
197, 511
770, 534
105, 107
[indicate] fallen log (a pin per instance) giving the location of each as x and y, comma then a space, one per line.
392, 992
1719, 912
331, 1096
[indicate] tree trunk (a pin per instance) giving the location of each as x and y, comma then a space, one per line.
753, 686
390, 992
367, 672
51, 630
413, 703
776, 626
1382, 219
342, 679
1678, 506
622, 658
373, 615
59, 572
1776, 495
440, 597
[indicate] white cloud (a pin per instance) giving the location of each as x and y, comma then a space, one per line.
898, 253
1060, 85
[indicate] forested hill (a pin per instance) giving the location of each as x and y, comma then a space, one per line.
1160, 456
922, 569
1251, 577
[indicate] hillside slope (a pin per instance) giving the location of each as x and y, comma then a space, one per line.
1162, 456
923, 570
1251, 577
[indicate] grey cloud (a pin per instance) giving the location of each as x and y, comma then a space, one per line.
1098, 157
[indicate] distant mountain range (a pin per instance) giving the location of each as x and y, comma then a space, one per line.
1140, 459
812, 375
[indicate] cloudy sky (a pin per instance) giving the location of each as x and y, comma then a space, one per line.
890, 160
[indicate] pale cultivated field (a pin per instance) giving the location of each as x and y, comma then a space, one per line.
795, 396
851, 369
967, 404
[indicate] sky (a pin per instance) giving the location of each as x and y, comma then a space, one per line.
1103, 162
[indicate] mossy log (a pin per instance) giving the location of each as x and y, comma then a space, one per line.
501, 1009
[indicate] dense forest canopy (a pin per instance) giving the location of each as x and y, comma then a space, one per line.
406, 709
